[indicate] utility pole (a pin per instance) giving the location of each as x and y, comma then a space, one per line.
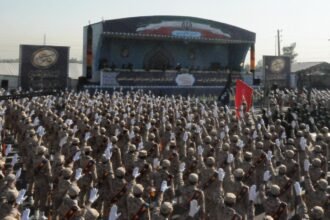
278, 43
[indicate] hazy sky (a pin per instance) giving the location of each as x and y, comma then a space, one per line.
305, 22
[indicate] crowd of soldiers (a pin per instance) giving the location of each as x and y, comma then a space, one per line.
136, 156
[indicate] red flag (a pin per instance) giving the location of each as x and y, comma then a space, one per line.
244, 93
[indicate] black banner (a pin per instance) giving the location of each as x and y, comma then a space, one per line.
43, 67
276, 70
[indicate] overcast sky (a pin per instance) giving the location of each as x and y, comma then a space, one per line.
305, 22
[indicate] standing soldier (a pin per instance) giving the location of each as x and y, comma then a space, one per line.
42, 180
273, 206
227, 210
88, 166
210, 185
161, 175
189, 192
144, 168
119, 190
241, 192
105, 174
136, 205
62, 187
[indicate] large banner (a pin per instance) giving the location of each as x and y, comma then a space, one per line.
43, 67
277, 71
178, 79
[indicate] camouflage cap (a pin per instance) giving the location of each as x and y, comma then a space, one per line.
120, 172
290, 141
10, 178
166, 163
316, 162
300, 133
317, 212
138, 189
73, 190
151, 136
102, 130
238, 173
67, 172
318, 149
131, 147
166, 208
193, 178
230, 198
234, 138
143, 153
260, 145
275, 190
289, 153
11, 195
41, 150
225, 147
282, 169
324, 130
322, 183
207, 139
114, 139
246, 131
190, 151
210, 161
248, 155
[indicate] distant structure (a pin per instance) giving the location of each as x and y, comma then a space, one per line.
164, 52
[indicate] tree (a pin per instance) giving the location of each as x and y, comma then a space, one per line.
290, 52
259, 65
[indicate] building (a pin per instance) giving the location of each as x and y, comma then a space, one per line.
311, 74
164, 51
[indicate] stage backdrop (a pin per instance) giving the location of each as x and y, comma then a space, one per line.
276, 70
43, 67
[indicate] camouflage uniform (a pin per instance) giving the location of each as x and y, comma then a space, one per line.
272, 204
136, 206
88, 165
42, 179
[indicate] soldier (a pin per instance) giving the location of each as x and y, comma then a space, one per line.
163, 174
317, 196
116, 153
315, 171
248, 168
272, 204
259, 161
9, 185
8, 209
62, 188
119, 190
210, 185
227, 210
285, 183
292, 167
144, 168
42, 180
136, 205
190, 192
69, 208
105, 174
88, 165
241, 192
